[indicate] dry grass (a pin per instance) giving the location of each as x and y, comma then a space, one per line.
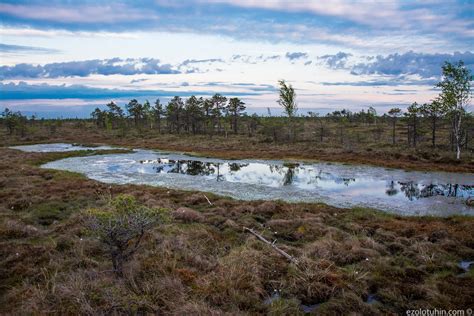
203, 263
187, 215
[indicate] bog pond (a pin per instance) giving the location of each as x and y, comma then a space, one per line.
391, 190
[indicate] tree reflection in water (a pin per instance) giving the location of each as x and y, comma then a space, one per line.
234, 167
193, 167
288, 175
414, 191
391, 190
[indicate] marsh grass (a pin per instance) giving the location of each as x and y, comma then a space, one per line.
203, 262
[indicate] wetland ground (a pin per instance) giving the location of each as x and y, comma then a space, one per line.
203, 262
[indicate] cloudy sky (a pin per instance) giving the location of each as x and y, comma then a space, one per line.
69, 56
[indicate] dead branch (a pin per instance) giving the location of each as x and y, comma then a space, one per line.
208, 201
272, 244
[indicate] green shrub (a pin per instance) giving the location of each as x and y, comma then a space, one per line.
121, 225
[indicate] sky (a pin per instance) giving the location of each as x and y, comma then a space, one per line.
64, 58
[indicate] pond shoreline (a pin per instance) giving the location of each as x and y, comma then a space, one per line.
335, 184
253, 148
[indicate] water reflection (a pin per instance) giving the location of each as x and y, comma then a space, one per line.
414, 191
302, 176
391, 189
398, 191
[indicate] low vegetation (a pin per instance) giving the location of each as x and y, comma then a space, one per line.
202, 261
121, 226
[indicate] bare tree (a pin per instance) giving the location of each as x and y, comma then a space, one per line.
320, 121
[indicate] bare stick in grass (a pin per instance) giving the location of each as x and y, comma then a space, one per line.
272, 244
208, 201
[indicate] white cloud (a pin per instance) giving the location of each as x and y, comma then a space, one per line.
379, 14
81, 14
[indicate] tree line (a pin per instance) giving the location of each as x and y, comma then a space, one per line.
193, 115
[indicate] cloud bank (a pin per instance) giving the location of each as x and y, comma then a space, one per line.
411, 63
114, 66
398, 64
362, 24
7, 48
24, 91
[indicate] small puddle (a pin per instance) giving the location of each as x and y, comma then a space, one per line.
466, 265
371, 299
274, 297
309, 308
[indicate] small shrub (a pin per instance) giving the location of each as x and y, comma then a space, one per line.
121, 226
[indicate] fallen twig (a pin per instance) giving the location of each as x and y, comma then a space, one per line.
208, 201
272, 244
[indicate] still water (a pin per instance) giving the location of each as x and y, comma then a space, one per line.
391, 190
58, 147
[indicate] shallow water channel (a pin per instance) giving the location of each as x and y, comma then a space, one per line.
391, 190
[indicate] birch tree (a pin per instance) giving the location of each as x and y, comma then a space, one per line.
287, 100
456, 95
